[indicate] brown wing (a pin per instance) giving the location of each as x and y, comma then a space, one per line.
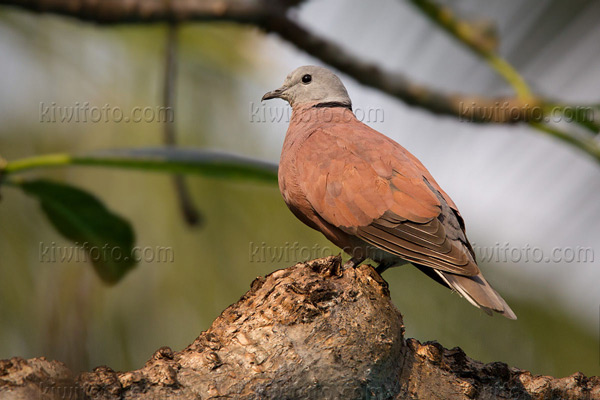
373, 188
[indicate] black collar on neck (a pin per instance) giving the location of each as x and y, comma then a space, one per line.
333, 104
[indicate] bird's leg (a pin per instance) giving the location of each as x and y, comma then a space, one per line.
383, 266
354, 262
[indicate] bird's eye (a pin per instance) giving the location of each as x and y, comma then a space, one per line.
306, 78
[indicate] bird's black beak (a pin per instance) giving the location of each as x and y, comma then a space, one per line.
274, 94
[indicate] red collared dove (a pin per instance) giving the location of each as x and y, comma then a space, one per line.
369, 195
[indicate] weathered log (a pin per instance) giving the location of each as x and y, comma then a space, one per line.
314, 330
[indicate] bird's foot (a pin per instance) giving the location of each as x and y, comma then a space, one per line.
383, 266
353, 262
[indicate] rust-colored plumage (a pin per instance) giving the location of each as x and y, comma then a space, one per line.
369, 195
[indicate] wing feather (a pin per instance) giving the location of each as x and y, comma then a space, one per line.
389, 200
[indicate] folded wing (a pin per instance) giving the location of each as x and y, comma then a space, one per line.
384, 199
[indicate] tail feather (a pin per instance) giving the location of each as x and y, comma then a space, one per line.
478, 292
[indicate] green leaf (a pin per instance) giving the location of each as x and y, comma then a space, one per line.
79, 216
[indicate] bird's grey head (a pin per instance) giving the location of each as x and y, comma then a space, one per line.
311, 85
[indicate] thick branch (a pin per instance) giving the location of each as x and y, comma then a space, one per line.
271, 15
466, 107
147, 11
313, 330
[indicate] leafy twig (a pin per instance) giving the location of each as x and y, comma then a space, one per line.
165, 159
471, 38
589, 145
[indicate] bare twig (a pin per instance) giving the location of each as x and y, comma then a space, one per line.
186, 204
169, 82
3, 164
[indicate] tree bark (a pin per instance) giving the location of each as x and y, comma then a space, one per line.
314, 330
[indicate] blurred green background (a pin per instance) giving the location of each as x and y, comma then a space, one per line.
63, 311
